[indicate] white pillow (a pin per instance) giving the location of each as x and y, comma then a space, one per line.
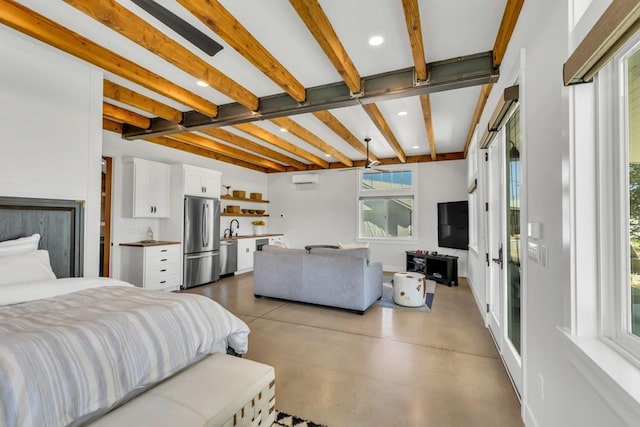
353, 245
33, 266
18, 246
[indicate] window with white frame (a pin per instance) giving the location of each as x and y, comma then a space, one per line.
386, 204
619, 197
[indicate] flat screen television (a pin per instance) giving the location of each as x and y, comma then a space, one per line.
453, 225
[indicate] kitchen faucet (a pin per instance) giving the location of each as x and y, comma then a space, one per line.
231, 227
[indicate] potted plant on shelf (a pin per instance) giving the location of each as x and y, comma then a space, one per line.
258, 227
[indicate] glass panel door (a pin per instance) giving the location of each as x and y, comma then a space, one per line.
513, 250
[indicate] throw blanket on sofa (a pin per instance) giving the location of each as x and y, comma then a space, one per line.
66, 359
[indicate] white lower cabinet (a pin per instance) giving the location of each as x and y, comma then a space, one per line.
246, 248
152, 267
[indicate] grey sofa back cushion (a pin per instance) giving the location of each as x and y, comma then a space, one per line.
281, 250
356, 253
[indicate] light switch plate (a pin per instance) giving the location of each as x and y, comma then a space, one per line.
533, 250
544, 256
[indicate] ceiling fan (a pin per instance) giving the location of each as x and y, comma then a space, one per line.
370, 164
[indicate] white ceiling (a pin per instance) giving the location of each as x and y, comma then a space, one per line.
450, 28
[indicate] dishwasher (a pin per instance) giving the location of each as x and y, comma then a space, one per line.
228, 257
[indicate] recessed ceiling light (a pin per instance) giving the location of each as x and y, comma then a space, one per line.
202, 83
327, 155
376, 40
402, 113
283, 130
415, 147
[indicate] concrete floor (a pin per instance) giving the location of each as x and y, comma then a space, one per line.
388, 367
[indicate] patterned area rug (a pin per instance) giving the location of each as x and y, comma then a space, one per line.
286, 420
387, 299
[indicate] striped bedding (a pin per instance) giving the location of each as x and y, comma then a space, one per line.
67, 359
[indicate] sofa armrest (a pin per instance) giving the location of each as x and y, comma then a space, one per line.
372, 281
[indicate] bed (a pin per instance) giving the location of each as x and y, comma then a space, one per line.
73, 348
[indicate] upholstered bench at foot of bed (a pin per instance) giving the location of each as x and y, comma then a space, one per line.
220, 390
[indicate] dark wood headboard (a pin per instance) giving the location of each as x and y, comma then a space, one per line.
60, 224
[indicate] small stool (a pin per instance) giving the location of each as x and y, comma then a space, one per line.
409, 289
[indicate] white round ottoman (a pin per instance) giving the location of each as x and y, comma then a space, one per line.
409, 289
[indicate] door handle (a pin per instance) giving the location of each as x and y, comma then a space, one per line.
499, 259
204, 225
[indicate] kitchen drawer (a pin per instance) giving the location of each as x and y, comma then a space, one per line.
163, 259
162, 270
162, 282
162, 250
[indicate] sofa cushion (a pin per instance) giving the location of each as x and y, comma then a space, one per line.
282, 250
356, 253
353, 245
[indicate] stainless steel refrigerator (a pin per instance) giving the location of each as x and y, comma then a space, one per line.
201, 241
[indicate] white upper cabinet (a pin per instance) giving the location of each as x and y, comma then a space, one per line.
201, 182
149, 184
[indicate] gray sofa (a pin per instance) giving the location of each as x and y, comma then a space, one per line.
343, 278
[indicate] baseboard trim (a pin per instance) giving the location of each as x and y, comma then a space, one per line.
481, 305
529, 419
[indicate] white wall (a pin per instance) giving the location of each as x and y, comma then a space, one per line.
127, 229
566, 398
50, 115
327, 213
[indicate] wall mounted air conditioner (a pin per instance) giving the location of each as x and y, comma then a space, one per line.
305, 178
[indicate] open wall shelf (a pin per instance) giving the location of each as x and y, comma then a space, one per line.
242, 199
240, 214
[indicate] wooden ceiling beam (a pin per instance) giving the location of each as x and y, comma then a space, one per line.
136, 29
182, 146
224, 24
209, 144
318, 23
311, 139
505, 31
111, 126
266, 136
454, 73
378, 119
335, 125
392, 161
127, 96
425, 102
39, 27
235, 139
122, 115
414, 28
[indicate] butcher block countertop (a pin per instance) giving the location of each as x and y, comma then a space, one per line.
250, 236
150, 243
